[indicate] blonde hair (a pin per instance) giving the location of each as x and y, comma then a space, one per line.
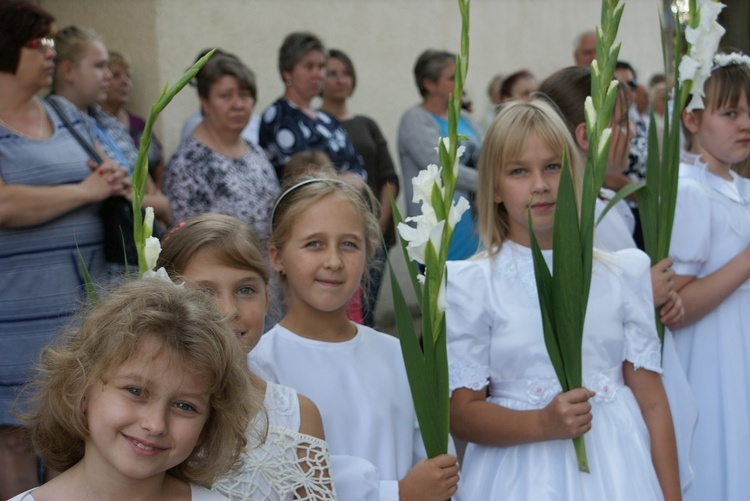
70, 45
505, 142
183, 320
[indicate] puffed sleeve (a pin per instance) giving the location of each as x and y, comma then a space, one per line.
691, 233
469, 325
642, 345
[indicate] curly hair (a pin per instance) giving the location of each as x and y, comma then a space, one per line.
183, 320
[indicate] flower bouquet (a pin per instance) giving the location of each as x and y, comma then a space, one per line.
427, 243
563, 297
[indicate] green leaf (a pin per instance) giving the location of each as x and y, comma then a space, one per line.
569, 293
140, 171
625, 191
425, 404
88, 283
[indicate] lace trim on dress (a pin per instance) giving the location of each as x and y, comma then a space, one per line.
289, 465
650, 361
473, 377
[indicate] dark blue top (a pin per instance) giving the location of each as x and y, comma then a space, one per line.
285, 130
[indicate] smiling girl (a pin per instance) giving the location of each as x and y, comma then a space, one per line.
506, 398
222, 256
323, 234
147, 399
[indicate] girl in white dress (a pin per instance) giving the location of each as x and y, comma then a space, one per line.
145, 398
221, 255
710, 240
568, 89
506, 399
322, 235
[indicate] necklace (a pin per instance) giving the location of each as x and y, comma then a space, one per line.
39, 131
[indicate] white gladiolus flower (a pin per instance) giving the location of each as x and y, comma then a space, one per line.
152, 250
589, 110
703, 40
148, 222
423, 183
442, 301
426, 230
161, 274
603, 140
459, 151
456, 211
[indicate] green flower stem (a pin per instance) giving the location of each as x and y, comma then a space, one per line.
427, 368
563, 297
140, 172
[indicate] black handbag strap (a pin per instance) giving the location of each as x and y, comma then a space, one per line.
86, 146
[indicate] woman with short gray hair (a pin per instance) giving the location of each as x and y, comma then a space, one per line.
419, 130
292, 124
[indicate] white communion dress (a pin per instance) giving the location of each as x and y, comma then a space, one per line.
274, 471
712, 226
496, 341
613, 233
361, 389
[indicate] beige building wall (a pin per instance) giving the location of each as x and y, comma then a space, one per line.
383, 37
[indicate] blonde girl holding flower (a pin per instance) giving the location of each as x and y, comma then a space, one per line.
323, 234
147, 398
506, 398
711, 253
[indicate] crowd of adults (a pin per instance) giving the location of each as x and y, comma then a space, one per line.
68, 143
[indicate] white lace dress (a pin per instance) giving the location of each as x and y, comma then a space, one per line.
495, 340
275, 471
712, 226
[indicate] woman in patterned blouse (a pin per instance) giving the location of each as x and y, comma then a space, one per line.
216, 170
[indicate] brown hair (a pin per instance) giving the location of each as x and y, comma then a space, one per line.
20, 22
296, 46
348, 64
506, 88
308, 162
724, 88
183, 320
231, 241
505, 142
220, 66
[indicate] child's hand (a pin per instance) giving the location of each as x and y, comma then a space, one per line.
430, 479
568, 415
662, 279
673, 311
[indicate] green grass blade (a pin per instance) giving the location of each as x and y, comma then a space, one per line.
88, 282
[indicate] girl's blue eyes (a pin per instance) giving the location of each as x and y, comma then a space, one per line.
245, 291
184, 406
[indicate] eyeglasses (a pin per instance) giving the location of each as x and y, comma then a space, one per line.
41, 43
632, 84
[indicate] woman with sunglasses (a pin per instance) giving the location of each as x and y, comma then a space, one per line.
49, 197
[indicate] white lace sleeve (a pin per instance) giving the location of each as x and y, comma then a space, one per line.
288, 465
